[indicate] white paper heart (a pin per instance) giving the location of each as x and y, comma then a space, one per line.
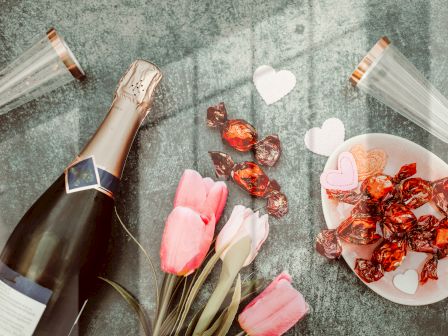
324, 140
407, 282
271, 85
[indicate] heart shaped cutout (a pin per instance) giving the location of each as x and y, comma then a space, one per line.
345, 177
271, 85
324, 140
370, 162
407, 282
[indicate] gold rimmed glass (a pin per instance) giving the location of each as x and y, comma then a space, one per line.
45, 66
386, 74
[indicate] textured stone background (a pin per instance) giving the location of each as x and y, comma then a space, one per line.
208, 51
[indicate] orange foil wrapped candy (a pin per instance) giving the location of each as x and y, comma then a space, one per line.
276, 310
377, 187
251, 178
243, 137
239, 134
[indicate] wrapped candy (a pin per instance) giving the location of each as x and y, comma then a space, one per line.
390, 254
399, 218
361, 231
388, 202
429, 270
377, 187
328, 244
440, 195
251, 178
415, 192
405, 172
243, 137
368, 270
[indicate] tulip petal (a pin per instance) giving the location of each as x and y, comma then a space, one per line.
191, 191
277, 309
185, 242
208, 183
231, 228
258, 229
216, 200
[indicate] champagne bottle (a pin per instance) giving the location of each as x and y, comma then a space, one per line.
52, 258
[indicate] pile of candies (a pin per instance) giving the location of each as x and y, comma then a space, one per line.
242, 136
388, 202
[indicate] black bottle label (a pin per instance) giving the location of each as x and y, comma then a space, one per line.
85, 174
22, 303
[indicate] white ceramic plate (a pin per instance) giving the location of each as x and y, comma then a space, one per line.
430, 167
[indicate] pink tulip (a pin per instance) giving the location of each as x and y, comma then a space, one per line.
276, 310
243, 222
190, 227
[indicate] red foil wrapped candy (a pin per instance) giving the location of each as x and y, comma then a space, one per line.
328, 244
399, 218
405, 172
421, 241
429, 270
389, 201
368, 270
360, 231
415, 192
390, 254
440, 195
277, 204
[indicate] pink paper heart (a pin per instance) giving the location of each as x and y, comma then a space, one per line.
345, 177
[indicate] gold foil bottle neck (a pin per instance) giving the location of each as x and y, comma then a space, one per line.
133, 98
138, 84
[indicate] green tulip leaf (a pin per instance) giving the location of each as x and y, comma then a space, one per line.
133, 302
195, 290
231, 266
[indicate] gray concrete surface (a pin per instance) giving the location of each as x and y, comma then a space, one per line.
208, 51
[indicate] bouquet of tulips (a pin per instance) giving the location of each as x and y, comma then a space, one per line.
188, 257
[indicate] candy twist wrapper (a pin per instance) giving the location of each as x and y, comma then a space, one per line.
251, 178
243, 137
276, 310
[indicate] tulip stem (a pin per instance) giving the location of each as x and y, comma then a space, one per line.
167, 292
241, 333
